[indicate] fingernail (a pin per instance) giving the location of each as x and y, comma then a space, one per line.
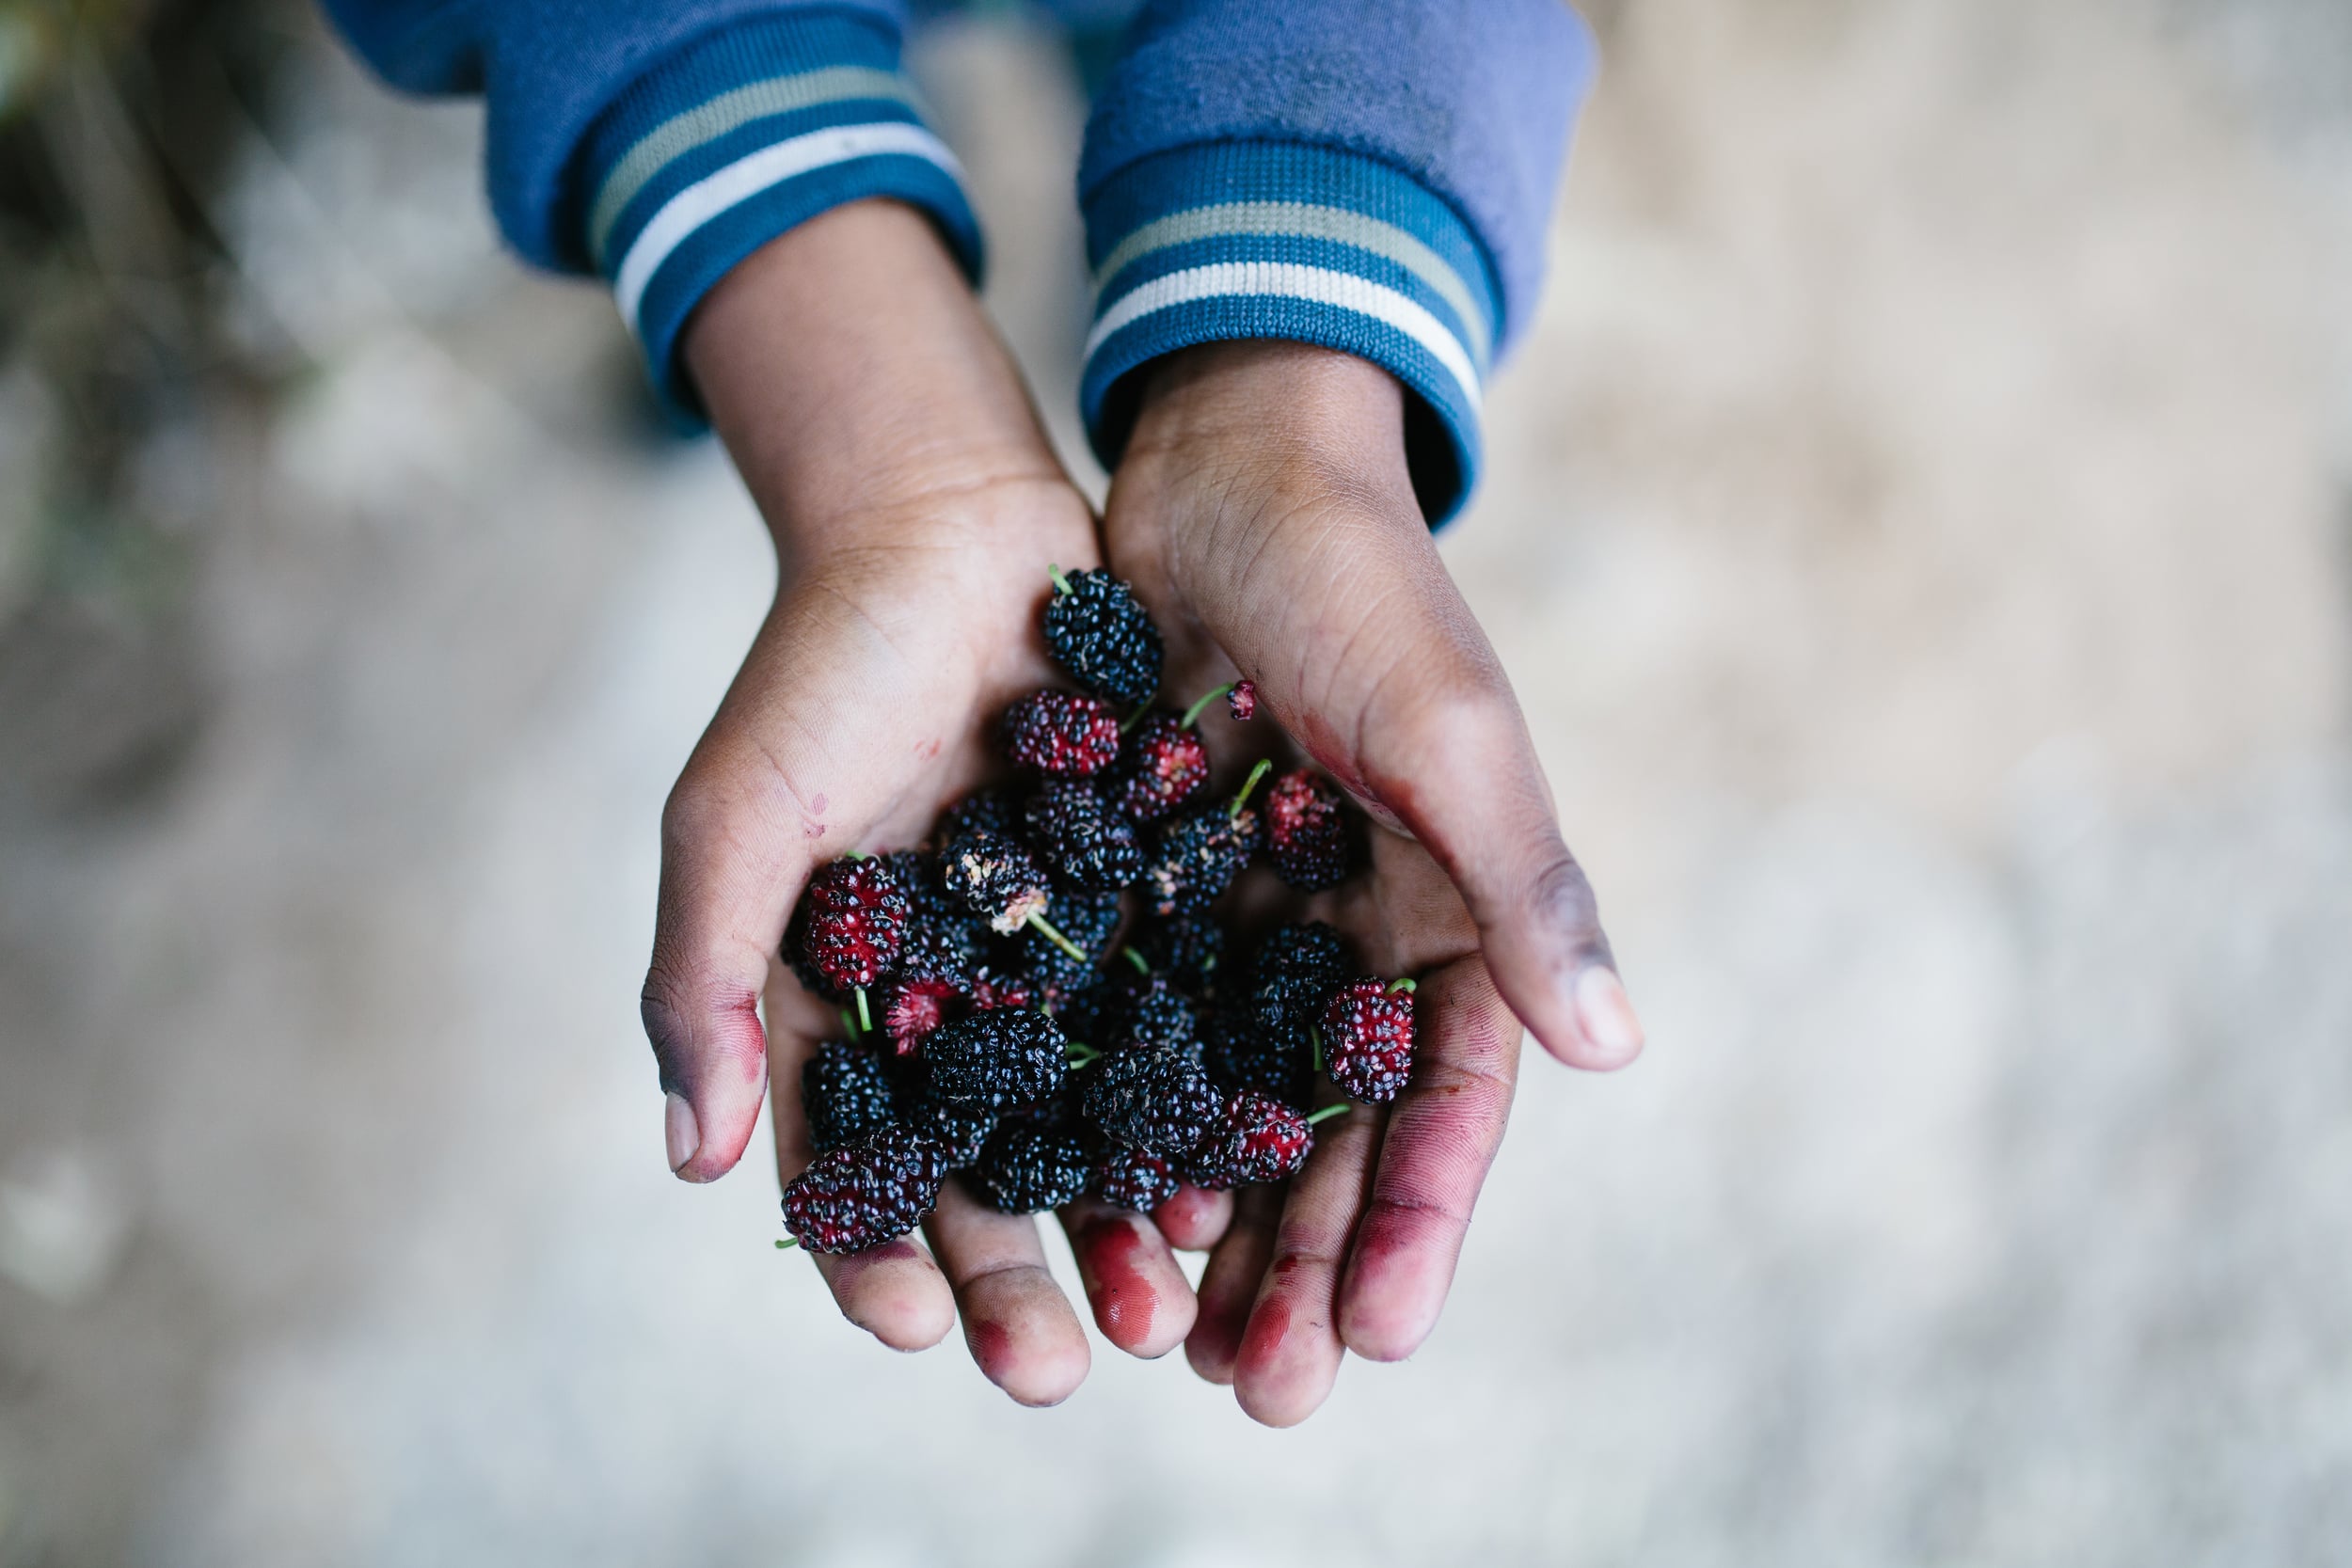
684, 1134
1605, 1013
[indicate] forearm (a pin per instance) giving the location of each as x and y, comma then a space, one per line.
853, 375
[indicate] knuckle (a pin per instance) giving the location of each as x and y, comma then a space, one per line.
1477, 1076
692, 814
694, 1014
1561, 896
1410, 1210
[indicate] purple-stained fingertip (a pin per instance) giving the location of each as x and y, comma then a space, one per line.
680, 1130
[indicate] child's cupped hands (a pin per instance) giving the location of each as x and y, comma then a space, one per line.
1266, 518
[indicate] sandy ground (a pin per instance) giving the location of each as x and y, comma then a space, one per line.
1917, 529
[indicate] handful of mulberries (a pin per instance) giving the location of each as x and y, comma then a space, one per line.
1039, 1001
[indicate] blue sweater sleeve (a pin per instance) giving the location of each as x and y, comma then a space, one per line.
659, 142
1373, 176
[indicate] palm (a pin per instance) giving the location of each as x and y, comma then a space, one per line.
1285, 1291
908, 685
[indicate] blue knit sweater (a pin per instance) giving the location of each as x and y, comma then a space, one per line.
1369, 175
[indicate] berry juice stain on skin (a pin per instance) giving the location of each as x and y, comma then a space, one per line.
817, 804
1269, 1326
1324, 746
1124, 1299
854, 1264
740, 1039
991, 1347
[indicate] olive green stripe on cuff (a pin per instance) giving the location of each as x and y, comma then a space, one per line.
1307, 221
714, 118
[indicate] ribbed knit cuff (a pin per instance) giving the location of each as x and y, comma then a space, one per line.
734, 139
1251, 239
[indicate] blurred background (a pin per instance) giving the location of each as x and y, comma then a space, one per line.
1920, 527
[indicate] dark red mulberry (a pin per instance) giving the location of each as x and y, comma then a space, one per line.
1368, 1039
845, 1095
1200, 852
864, 1194
1308, 834
852, 918
1239, 1054
1061, 734
994, 988
1131, 1178
910, 1009
1258, 1139
998, 1058
995, 877
1161, 766
1025, 1168
1297, 967
1101, 635
959, 1129
1150, 1011
1188, 949
1086, 921
1085, 843
1153, 1097
983, 808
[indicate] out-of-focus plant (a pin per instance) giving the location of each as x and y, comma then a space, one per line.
104, 345
35, 36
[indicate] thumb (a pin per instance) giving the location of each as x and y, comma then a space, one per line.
1447, 752
1393, 687
728, 880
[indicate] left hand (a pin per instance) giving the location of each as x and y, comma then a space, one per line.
1264, 514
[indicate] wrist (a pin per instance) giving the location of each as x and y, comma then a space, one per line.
849, 371
1272, 412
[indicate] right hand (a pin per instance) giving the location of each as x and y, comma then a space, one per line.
915, 507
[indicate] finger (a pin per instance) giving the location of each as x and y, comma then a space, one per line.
796, 736
894, 1291
1019, 1326
1444, 746
1193, 1220
730, 869
1142, 1301
1291, 1350
1228, 1286
1443, 1134
1388, 683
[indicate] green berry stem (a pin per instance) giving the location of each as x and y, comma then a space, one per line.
1062, 584
1265, 765
865, 1018
1407, 985
1135, 718
1081, 1053
1314, 1033
1059, 939
787, 1243
1142, 964
855, 855
848, 1023
1329, 1111
1194, 712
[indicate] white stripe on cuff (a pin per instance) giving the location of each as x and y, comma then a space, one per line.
739, 182
1290, 280
1304, 220
732, 110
